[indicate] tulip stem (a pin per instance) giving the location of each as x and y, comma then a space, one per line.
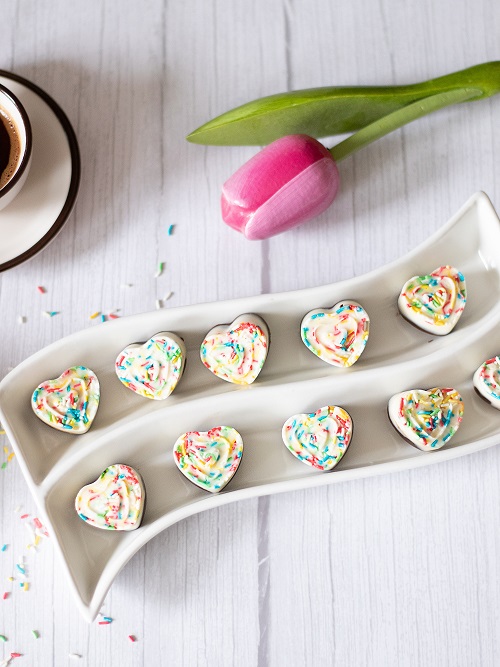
401, 117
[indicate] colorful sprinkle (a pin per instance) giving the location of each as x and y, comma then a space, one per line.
3, 638
487, 381
4, 548
35, 634
159, 271
41, 289
94, 315
132, 638
170, 230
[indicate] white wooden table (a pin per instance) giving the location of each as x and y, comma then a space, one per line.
392, 571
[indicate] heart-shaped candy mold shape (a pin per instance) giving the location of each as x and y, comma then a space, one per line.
69, 403
152, 369
337, 335
115, 501
237, 352
428, 418
435, 302
209, 459
319, 439
487, 381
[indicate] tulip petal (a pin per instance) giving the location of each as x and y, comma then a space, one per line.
288, 182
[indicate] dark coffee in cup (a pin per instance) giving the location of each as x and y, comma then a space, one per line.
10, 148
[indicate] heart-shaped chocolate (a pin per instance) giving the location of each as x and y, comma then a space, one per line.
429, 418
237, 352
154, 368
435, 302
319, 439
115, 501
69, 403
209, 459
487, 381
337, 335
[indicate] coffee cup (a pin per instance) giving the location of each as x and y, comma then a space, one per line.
15, 146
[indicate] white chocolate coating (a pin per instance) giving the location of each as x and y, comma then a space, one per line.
487, 381
427, 418
237, 352
435, 302
337, 335
319, 439
115, 501
153, 369
68, 403
209, 459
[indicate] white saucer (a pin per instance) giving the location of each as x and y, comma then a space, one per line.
41, 208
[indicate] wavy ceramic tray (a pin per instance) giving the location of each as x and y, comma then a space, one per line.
132, 430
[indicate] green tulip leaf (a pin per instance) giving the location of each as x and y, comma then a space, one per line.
322, 112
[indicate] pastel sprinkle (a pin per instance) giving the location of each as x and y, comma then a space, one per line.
170, 230
10, 457
4, 547
103, 318
15, 655
21, 569
159, 271
74, 656
24, 516
168, 296
132, 638
158, 304
127, 285
50, 313
5, 595
4, 465
26, 586
113, 316
35, 634
21, 319
108, 619
3, 638
94, 315
41, 289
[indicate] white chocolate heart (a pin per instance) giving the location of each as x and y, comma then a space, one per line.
435, 302
427, 418
236, 353
209, 459
115, 501
337, 335
153, 369
319, 439
69, 403
487, 381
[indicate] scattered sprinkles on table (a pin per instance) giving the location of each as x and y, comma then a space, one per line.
487, 381
153, 369
337, 335
209, 459
319, 439
68, 403
428, 419
436, 301
115, 501
236, 353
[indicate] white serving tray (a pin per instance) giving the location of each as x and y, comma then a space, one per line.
141, 433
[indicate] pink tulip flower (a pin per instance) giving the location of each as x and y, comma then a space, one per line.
291, 180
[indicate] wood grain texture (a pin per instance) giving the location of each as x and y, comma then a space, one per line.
390, 571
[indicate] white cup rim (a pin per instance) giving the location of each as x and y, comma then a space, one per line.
28, 144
